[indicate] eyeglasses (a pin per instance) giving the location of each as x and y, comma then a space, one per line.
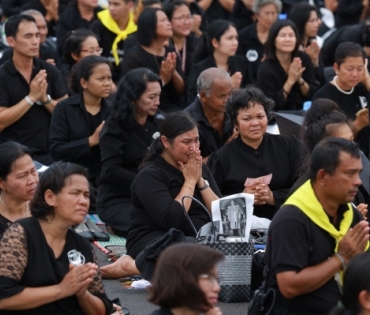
183, 18
212, 280
98, 50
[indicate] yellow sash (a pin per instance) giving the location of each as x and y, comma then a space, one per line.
107, 20
305, 199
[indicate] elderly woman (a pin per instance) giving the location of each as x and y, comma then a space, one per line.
43, 263
185, 281
172, 169
252, 39
255, 153
18, 180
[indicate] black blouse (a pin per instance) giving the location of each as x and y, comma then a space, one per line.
236, 64
138, 57
70, 129
271, 78
123, 148
154, 210
236, 161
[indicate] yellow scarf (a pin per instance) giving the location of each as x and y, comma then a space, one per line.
107, 20
305, 199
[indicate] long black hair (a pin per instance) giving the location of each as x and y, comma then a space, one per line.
172, 126
129, 90
204, 47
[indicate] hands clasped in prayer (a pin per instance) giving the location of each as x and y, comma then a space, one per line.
168, 67
262, 194
192, 170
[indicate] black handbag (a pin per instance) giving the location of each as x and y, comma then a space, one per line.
235, 272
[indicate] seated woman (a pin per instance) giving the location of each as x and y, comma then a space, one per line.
45, 264
79, 44
77, 121
172, 169
124, 142
18, 180
252, 39
185, 281
287, 75
356, 288
182, 40
217, 48
306, 19
256, 153
153, 52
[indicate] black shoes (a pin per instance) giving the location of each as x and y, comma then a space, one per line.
90, 231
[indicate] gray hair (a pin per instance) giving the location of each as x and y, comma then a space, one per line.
206, 78
258, 4
32, 12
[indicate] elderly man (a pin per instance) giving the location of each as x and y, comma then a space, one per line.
208, 109
317, 232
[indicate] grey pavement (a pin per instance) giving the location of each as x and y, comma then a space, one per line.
136, 300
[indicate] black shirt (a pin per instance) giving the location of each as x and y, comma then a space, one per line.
138, 57
251, 47
236, 161
154, 210
123, 148
215, 12
37, 5
209, 137
271, 78
106, 40
46, 52
130, 42
350, 104
12, 7
236, 64
32, 129
70, 129
297, 243
241, 16
71, 20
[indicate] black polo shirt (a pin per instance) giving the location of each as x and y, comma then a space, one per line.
32, 129
209, 137
297, 243
251, 47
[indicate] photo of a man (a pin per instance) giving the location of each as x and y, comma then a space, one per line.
233, 213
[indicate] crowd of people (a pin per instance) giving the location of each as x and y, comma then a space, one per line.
134, 105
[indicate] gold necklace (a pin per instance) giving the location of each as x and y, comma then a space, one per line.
9, 213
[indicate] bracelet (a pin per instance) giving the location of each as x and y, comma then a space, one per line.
188, 187
303, 82
29, 101
341, 260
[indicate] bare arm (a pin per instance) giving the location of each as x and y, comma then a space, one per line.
227, 4
91, 304
304, 87
205, 4
50, 107
207, 194
331, 5
178, 83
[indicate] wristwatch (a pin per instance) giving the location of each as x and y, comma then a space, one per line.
206, 185
48, 100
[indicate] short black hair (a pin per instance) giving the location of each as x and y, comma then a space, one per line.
12, 24
84, 69
348, 49
73, 43
246, 98
300, 14
147, 26
10, 152
170, 6
54, 178
275, 28
326, 154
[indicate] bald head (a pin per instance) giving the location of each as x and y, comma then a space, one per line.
208, 76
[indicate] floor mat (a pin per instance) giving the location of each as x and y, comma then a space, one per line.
115, 248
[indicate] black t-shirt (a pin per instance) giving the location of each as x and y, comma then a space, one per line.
236, 161
154, 210
138, 57
71, 127
32, 129
350, 104
106, 40
71, 20
271, 78
241, 16
297, 243
215, 12
251, 47
210, 140
123, 148
37, 5
235, 63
